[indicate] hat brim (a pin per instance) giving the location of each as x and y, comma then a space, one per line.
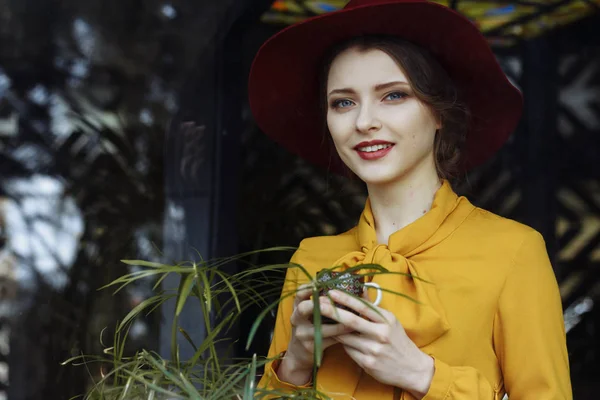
283, 82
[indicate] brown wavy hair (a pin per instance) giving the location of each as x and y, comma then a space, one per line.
430, 84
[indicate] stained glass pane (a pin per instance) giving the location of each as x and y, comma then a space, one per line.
503, 22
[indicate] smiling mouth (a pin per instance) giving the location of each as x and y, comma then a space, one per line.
373, 151
374, 148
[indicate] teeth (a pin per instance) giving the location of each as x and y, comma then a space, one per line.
377, 147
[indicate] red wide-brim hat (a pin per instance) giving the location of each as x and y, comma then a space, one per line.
284, 88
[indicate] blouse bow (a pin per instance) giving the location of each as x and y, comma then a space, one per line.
416, 305
407, 292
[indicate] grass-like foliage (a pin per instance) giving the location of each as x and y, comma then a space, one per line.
145, 375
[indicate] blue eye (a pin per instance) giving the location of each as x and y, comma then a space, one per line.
396, 96
342, 103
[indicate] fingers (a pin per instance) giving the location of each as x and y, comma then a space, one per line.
330, 330
305, 308
328, 342
363, 307
361, 343
303, 293
325, 343
306, 332
298, 318
302, 315
358, 323
365, 361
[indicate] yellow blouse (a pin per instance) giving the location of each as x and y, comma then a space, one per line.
490, 312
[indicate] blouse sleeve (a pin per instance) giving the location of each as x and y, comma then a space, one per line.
282, 333
529, 338
464, 383
529, 330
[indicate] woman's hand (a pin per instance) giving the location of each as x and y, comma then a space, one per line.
380, 346
297, 364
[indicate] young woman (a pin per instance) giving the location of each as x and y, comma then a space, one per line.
406, 95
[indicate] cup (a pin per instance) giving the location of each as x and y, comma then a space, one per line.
347, 282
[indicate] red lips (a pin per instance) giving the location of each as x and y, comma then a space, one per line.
371, 143
373, 155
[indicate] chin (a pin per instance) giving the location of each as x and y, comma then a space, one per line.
378, 176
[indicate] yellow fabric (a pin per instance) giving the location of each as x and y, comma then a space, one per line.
490, 312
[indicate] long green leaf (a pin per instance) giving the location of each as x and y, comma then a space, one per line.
304, 270
159, 280
126, 388
217, 262
261, 316
210, 339
138, 309
267, 309
231, 290
152, 394
205, 293
120, 344
164, 298
174, 343
144, 263
184, 292
190, 389
318, 344
249, 386
153, 386
259, 270
188, 338
228, 386
169, 375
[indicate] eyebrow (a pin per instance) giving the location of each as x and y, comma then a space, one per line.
381, 86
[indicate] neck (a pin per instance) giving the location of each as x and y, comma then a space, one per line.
399, 203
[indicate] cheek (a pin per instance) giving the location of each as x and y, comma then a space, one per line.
424, 143
338, 128
421, 131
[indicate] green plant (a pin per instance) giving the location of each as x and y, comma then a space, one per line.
205, 376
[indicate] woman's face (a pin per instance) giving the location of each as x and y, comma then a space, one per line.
381, 131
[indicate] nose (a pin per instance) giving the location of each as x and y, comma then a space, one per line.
367, 121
